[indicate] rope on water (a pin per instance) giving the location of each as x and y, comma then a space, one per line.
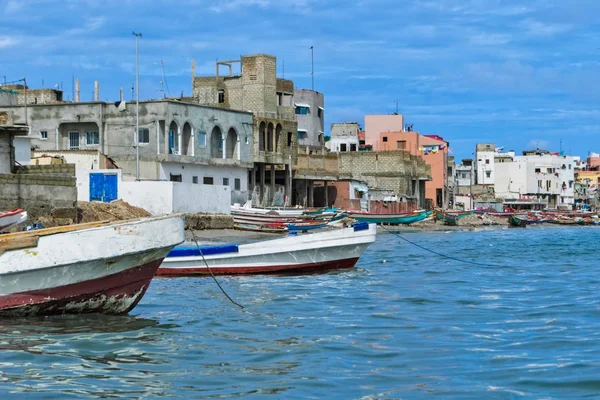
211, 273
441, 254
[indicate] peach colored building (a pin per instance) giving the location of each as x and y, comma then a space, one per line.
376, 124
433, 149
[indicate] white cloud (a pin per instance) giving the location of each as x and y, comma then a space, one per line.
8, 41
538, 28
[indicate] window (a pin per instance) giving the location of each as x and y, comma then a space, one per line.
301, 110
401, 145
549, 170
343, 147
74, 140
194, 179
247, 140
320, 112
302, 134
221, 96
321, 138
540, 184
175, 178
92, 138
385, 138
144, 135
488, 173
352, 147
207, 180
487, 160
238, 184
201, 139
487, 147
225, 181
549, 185
289, 141
43, 135
537, 171
569, 166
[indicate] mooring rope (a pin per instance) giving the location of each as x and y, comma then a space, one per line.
211, 273
441, 254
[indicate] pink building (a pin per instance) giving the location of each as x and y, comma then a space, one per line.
376, 124
433, 149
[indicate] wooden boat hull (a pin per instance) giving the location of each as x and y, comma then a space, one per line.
391, 219
12, 218
322, 251
105, 269
517, 222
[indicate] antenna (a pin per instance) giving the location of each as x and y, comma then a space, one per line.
165, 83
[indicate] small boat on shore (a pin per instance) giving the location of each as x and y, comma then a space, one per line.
518, 221
97, 267
314, 252
12, 218
390, 219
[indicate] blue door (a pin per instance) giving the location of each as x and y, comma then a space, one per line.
103, 187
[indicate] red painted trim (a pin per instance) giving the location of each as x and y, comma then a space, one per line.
11, 213
101, 295
241, 270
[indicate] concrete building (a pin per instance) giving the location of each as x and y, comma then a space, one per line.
344, 137
539, 176
433, 149
465, 173
177, 141
376, 124
35, 96
310, 114
484, 164
257, 89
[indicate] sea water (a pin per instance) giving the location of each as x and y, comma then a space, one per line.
405, 323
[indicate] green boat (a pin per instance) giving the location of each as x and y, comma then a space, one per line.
390, 219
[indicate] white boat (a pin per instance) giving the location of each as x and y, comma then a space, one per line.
12, 218
247, 209
326, 250
96, 267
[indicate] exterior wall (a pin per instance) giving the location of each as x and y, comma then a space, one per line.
22, 149
116, 133
314, 122
416, 145
484, 164
83, 181
40, 190
35, 96
161, 198
83, 159
376, 124
6, 153
8, 98
344, 133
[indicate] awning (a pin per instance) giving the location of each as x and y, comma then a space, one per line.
321, 108
302, 105
302, 130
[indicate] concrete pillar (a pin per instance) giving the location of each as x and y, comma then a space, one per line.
224, 145
272, 191
179, 136
96, 91
288, 192
157, 124
326, 195
76, 90
311, 194
262, 168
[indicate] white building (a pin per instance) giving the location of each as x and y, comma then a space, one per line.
344, 137
484, 163
539, 176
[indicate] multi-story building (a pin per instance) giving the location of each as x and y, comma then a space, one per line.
310, 114
465, 173
484, 163
257, 89
376, 124
35, 96
177, 141
344, 137
433, 149
539, 176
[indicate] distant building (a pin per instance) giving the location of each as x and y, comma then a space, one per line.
484, 164
376, 124
257, 89
35, 96
310, 114
539, 176
344, 137
465, 173
433, 149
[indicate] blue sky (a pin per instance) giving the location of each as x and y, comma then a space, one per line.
519, 74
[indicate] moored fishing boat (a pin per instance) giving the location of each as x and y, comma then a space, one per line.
12, 218
518, 221
391, 219
315, 252
452, 217
96, 267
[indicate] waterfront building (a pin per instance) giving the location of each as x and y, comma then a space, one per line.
484, 163
376, 124
310, 114
344, 137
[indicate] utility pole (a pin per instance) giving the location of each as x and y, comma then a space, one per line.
137, 106
312, 74
25, 88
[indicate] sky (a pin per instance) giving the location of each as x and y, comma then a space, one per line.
520, 74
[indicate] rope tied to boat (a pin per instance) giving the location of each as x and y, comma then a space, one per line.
211, 273
441, 254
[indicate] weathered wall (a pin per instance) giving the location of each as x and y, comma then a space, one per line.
314, 122
22, 149
42, 190
6, 153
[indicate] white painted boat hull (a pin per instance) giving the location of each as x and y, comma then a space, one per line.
106, 269
335, 249
8, 221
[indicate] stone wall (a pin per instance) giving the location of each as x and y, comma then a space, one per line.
41, 190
